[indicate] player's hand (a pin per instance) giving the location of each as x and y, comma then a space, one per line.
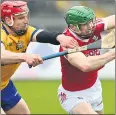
67, 41
32, 59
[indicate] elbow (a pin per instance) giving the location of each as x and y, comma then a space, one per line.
85, 68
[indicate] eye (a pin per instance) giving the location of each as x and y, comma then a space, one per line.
83, 24
22, 17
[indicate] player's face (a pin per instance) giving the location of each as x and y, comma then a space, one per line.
85, 29
21, 22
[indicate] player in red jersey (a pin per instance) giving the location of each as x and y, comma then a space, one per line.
80, 91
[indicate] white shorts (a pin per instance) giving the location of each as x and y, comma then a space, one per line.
92, 95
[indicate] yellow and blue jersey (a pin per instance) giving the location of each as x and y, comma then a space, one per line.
15, 44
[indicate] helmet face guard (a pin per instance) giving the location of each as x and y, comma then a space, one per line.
79, 16
90, 27
11, 9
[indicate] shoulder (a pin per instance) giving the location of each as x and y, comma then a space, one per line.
66, 31
3, 35
100, 24
31, 28
30, 31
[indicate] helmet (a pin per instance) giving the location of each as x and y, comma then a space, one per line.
79, 15
9, 8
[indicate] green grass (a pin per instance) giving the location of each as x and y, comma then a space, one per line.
41, 96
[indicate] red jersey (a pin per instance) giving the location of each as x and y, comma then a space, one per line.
73, 79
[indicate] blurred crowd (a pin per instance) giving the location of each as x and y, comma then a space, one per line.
50, 14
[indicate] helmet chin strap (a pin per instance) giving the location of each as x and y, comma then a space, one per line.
81, 36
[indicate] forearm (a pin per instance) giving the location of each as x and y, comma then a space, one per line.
86, 64
48, 37
99, 61
8, 57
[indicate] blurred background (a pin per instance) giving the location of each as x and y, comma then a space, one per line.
38, 86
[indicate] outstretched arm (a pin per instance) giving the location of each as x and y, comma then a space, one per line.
8, 57
90, 63
55, 38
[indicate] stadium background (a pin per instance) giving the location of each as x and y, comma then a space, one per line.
38, 86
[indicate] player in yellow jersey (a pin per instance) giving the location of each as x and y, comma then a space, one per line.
16, 34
